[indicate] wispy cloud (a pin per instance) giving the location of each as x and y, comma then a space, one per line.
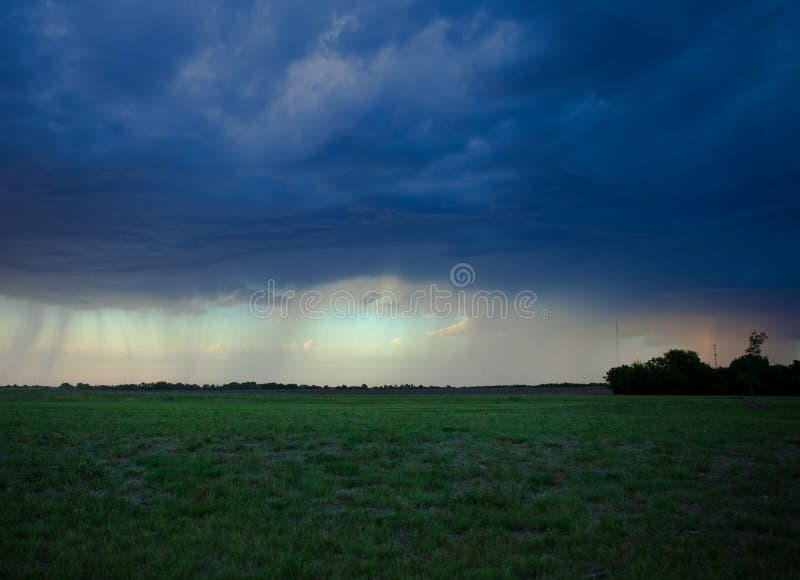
456, 329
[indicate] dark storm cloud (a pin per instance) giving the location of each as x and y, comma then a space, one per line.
151, 151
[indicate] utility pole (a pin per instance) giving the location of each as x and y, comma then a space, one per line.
715, 356
616, 324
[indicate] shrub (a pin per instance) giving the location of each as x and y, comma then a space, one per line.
677, 372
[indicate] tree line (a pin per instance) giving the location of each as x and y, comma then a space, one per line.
681, 372
274, 386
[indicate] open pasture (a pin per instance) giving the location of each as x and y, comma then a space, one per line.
182, 484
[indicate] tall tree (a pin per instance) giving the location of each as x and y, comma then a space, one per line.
756, 341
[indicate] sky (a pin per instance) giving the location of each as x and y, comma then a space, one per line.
165, 165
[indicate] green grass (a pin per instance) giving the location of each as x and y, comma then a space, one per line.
128, 484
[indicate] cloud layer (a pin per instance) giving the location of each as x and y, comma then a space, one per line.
608, 154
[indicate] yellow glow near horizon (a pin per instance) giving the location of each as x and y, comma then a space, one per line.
48, 344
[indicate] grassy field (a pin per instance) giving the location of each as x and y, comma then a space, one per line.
124, 484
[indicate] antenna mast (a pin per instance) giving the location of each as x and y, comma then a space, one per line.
616, 325
715, 356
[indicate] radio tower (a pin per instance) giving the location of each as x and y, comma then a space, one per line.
715, 356
616, 325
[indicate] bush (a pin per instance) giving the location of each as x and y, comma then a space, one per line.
748, 375
681, 372
677, 372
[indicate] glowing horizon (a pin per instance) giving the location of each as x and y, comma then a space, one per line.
160, 163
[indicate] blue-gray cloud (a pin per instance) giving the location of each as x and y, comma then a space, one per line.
152, 152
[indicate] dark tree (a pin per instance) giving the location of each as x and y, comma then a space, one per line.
756, 341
